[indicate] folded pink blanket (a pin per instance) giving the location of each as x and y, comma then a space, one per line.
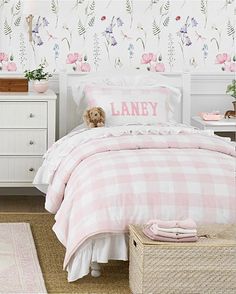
172, 234
156, 230
152, 236
184, 224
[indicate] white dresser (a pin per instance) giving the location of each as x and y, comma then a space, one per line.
223, 125
27, 129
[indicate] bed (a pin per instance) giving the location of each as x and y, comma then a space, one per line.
98, 181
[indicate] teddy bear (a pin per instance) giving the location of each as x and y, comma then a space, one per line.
94, 117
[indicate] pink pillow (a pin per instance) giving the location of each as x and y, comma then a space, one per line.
124, 106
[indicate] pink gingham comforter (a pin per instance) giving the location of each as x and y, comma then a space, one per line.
105, 183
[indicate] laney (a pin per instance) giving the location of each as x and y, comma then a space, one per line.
134, 108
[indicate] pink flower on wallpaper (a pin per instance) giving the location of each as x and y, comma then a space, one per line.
73, 58
160, 67
222, 58
231, 67
148, 57
85, 67
151, 60
5, 65
225, 60
77, 59
3, 57
11, 66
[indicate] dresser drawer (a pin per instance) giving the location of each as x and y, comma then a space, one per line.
23, 114
23, 142
19, 169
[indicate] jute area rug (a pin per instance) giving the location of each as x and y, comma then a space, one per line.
114, 278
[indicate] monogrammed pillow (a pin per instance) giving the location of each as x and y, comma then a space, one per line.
124, 106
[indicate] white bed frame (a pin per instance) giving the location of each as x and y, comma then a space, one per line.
68, 111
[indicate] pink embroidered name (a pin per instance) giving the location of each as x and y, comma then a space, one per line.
142, 108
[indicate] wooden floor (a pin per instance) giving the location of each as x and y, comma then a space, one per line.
21, 203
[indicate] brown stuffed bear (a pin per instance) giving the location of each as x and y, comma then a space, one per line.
94, 117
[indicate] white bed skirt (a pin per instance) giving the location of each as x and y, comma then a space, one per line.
100, 248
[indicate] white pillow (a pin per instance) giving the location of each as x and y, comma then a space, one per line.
124, 106
128, 78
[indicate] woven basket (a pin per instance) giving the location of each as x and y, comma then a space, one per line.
207, 266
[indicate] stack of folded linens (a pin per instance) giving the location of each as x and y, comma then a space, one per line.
171, 231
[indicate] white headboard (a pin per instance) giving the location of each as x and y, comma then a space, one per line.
68, 111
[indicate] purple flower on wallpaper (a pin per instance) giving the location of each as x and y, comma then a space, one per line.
119, 22
131, 50
113, 41
36, 28
39, 41
205, 51
56, 51
37, 25
131, 47
109, 29
194, 22
183, 30
45, 22
187, 41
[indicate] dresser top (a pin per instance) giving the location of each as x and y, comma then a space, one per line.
31, 95
222, 122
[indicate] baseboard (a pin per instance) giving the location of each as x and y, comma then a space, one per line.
20, 191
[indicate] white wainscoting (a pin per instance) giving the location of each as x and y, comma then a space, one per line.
207, 92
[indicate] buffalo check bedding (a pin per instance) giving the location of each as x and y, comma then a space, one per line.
101, 180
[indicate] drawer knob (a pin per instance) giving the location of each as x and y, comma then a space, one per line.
31, 169
31, 115
31, 142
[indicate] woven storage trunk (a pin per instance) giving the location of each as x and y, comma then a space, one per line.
207, 266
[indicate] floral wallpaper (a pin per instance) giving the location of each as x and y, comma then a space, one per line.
94, 35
